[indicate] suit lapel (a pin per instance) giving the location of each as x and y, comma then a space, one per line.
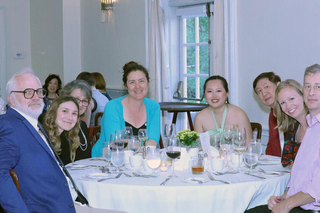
32, 130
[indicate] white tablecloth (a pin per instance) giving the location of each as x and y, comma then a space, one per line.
145, 195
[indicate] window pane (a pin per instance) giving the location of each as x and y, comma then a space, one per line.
191, 87
201, 84
203, 29
204, 59
191, 60
190, 28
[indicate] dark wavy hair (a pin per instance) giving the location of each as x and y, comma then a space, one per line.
50, 125
130, 67
87, 77
49, 78
216, 77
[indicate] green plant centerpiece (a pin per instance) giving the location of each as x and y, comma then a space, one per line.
188, 139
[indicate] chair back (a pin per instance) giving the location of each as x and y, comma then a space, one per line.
94, 134
15, 179
258, 127
97, 117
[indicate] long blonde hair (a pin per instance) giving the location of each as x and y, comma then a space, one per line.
50, 125
285, 122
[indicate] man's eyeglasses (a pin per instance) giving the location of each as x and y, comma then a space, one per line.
29, 93
84, 102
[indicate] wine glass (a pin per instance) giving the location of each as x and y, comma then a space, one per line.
128, 132
226, 140
134, 144
106, 151
239, 144
121, 137
169, 131
112, 139
250, 157
173, 151
257, 146
153, 159
143, 136
117, 156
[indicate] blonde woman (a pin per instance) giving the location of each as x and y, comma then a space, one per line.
62, 124
291, 113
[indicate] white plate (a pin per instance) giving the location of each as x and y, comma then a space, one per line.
78, 167
98, 175
194, 180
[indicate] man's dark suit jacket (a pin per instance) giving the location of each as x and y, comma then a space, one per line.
43, 185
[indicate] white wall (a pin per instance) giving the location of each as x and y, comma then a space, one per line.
106, 47
17, 38
46, 37
279, 36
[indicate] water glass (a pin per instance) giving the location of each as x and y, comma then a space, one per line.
106, 151
117, 156
134, 144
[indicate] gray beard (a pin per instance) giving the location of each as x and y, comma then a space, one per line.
35, 113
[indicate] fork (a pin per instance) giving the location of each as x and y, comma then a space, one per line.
211, 178
116, 177
199, 181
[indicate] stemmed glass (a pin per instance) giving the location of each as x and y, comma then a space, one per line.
169, 131
112, 140
173, 151
153, 159
121, 137
251, 156
128, 132
134, 144
117, 156
239, 144
226, 140
106, 151
256, 145
143, 136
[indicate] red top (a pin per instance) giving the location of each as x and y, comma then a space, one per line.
273, 146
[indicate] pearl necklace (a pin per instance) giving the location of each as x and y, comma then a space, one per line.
85, 145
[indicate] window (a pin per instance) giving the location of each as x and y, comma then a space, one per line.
194, 54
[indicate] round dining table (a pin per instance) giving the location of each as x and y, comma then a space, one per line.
144, 194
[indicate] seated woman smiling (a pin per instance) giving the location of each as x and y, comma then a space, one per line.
131, 110
62, 124
220, 112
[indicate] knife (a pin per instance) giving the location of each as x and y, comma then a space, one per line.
165, 181
257, 176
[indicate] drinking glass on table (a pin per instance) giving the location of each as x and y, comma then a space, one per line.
143, 136
226, 140
251, 157
239, 144
169, 130
112, 139
106, 151
257, 146
173, 151
128, 132
117, 156
134, 144
121, 137
153, 159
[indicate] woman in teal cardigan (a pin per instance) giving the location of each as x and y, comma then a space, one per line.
131, 110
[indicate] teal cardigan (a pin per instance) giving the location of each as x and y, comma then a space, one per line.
113, 120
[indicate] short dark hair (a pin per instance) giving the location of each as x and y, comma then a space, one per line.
49, 78
100, 82
216, 77
88, 77
271, 76
130, 67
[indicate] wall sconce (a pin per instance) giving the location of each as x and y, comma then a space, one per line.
107, 10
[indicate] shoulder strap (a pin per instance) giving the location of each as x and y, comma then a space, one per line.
224, 117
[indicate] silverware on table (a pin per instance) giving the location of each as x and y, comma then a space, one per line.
253, 175
213, 179
196, 180
165, 181
126, 174
116, 177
